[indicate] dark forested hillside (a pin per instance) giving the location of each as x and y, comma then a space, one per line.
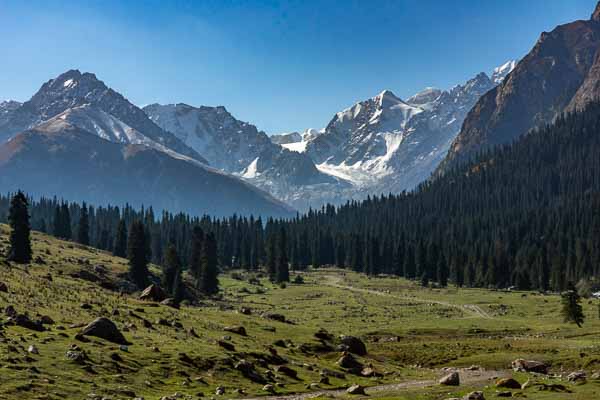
526, 214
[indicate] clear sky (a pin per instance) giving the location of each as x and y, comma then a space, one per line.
281, 65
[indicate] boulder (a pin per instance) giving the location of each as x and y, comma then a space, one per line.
239, 330
452, 379
33, 350
23, 320
3, 287
355, 345
356, 389
153, 293
322, 334
226, 345
274, 317
508, 383
247, 369
46, 320
246, 311
522, 365
287, 371
10, 311
105, 329
348, 361
369, 372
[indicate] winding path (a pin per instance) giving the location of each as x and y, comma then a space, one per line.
466, 377
474, 310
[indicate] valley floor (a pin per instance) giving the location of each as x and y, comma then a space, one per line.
413, 336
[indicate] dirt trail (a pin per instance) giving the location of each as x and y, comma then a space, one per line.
466, 377
472, 309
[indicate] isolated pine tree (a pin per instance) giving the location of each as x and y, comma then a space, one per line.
83, 228
136, 253
120, 245
571, 306
209, 282
171, 270
283, 272
196, 255
18, 218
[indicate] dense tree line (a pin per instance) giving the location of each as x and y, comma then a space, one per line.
525, 215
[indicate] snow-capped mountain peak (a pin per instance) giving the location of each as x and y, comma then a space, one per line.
499, 73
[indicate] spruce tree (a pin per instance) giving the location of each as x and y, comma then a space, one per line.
283, 272
571, 306
136, 253
171, 270
272, 257
209, 283
196, 255
120, 245
83, 228
65, 221
18, 218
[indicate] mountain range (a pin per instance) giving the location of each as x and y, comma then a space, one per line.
379, 145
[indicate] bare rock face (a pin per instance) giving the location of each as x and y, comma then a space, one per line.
105, 329
560, 73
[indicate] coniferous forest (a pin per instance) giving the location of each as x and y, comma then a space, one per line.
524, 215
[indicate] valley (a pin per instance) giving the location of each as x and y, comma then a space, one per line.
411, 335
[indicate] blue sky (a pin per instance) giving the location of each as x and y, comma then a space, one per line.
281, 65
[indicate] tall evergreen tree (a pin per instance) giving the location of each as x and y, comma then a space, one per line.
120, 245
171, 271
136, 253
571, 306
83, 228
283, 272
210, 283
196, 255
18, 218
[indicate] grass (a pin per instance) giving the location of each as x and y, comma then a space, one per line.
410, 332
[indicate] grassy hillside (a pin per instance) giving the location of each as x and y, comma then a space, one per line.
410, 333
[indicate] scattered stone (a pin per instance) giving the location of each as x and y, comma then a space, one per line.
86, 306
247, 369
24, 321
33, 350
220, 391
521, 365
226, 345
356, 389
474, 396
504, 394
322, 334
269, 388
332, 373
508, 383
287, 371
46, 320
324, 380
3, 287
10, 311
577, 377
348, 361
78, 357
239, 330
170, 302
369, 372
104, 328
452, 379
355, 345
274, 317
245, 311
153, 293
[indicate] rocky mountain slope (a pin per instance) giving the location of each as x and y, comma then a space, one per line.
240, 148
560, 73
59, 158
75, 89
385, 144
